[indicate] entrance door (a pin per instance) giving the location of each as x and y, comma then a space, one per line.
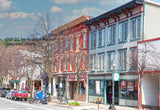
71, 89
109, 92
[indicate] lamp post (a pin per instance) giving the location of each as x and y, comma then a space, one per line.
113, 68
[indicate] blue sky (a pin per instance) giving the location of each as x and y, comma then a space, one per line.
17, 17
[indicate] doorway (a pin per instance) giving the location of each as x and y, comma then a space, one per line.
71, 89
109, 92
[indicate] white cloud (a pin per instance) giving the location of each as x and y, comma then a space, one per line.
91, 11
21, 15
3, 15
66, 1
69, 1
113, 2
5, 5
56, 9
1, 25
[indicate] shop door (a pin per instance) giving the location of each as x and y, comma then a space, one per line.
109, 92
71, 89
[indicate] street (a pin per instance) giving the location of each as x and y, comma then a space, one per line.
7, 104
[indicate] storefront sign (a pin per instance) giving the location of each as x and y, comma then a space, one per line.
97, 87
116, 76
73, 77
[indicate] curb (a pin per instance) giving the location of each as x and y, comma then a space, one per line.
61, 105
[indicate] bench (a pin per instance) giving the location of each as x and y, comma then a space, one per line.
151, 107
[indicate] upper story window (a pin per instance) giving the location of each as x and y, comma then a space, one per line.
111, 35
66, 45
71, 65
133, 58
61, 47
85, 40
111, 57
45, 50
84, 61
135, 28
56, 66
77, 43
72, 40
93, 40
51, 48
101, 41
123, 32
92, 62
57, 48
122, 57
61, 65
101, 62
66, 64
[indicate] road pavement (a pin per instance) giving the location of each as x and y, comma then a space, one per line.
7, 104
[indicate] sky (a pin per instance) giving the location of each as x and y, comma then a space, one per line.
17, 17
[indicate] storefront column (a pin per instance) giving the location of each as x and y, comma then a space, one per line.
87, 89
54, 87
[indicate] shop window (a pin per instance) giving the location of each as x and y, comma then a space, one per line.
92, 87
129, 89
81, 87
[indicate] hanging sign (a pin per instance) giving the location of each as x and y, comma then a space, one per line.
97, 87
116, 76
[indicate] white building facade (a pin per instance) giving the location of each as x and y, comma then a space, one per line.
113, 36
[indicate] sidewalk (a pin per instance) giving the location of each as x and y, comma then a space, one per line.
89, 106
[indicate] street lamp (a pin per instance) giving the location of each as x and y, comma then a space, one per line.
113, 69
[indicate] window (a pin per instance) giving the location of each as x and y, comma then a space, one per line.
56, 66
70, 65
84, 61
61, 47
92, 62
85, 40
45, 50
51, 48
66, 45
135, 28
133, 58
129, 89
111, 35
61, 65
93, 40
66, 64
101, 62
111, 57
72, 44
123, 32
122, 59
56, 48
77, 43
81, 87
92, 87
101, 38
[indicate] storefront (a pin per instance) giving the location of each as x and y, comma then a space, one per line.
73, 85
126, 90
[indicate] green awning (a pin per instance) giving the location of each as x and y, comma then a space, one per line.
10, 81
16, 81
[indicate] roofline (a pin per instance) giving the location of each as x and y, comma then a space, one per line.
152, 2
72, 23
140, 2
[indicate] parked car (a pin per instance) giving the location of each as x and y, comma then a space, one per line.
4, 91
19, 95
8, 95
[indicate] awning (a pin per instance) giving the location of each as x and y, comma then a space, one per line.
10, 81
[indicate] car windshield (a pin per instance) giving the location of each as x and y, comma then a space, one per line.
22, 91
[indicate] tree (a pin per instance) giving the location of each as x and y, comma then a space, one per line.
148, 60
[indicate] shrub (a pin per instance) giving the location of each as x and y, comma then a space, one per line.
73, 103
